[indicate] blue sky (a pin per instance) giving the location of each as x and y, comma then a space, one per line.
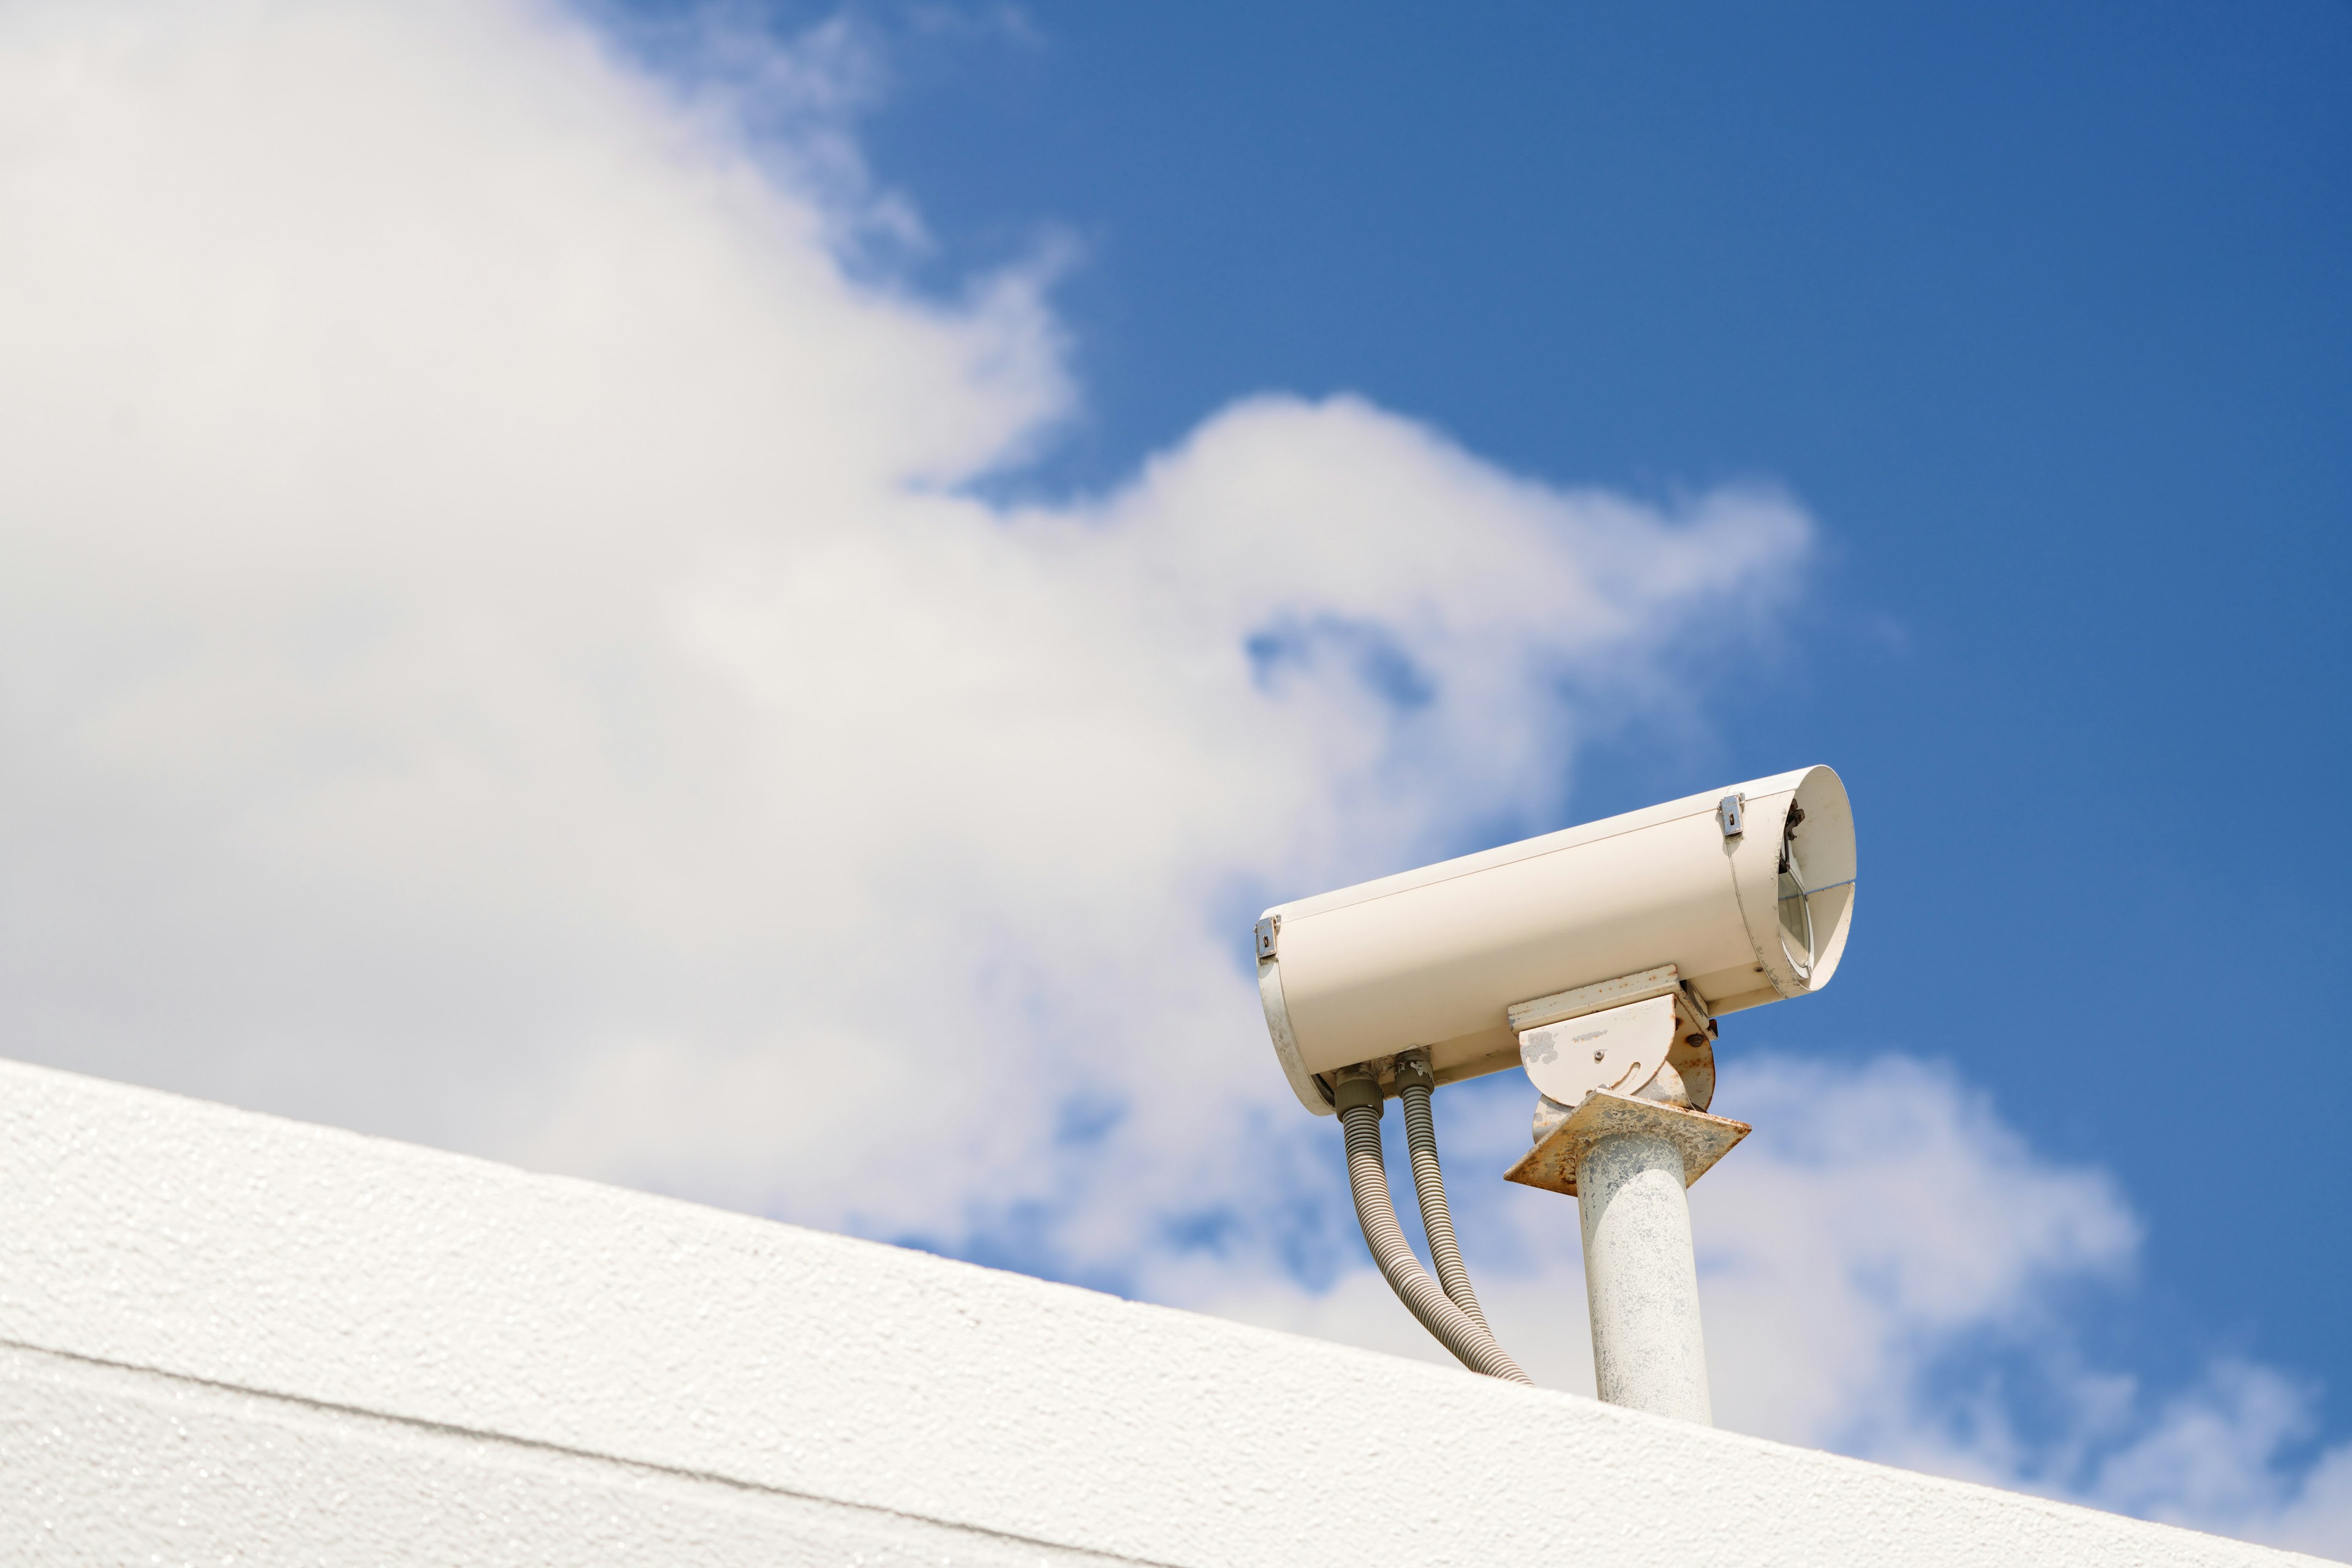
700, 596
2046, 314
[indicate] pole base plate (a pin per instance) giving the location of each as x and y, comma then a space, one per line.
1604, 1113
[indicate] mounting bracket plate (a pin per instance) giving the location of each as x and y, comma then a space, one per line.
1551, 1164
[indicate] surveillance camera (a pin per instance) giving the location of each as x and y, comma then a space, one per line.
1745, 892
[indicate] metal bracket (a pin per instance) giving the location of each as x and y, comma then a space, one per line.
1561, 1005
1269, 936
1732, 811
1686, 1040
1702, 1139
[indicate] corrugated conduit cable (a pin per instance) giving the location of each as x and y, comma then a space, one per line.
1415, 1081
1467, 1336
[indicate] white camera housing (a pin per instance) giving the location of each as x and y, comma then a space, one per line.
1436, 958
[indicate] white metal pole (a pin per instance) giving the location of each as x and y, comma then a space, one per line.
1642, 1278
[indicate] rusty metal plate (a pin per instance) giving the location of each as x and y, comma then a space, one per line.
1551, 1165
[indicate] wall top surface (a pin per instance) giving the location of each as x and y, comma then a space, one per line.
140, 1230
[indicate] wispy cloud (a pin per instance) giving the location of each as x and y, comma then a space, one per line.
502, 647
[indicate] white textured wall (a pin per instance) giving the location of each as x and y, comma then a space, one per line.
227, 1338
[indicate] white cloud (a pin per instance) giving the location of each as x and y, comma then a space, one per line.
497, 646
2224, 1455
1885, 1211
500, 654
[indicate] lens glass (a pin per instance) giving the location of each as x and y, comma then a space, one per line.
1796, 909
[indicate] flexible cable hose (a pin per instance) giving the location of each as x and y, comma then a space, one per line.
1436, 1220
1367, 1178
